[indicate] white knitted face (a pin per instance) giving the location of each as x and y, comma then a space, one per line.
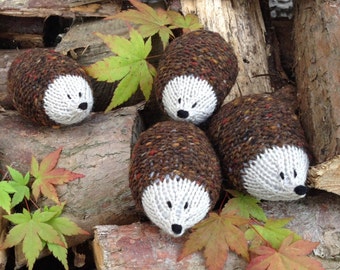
279, 174
68, 99
188, 98
175, 204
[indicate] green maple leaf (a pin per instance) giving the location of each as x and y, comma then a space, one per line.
216, 235
189, 22
129, 65
33, 231
5, 198
272, 231
19, 183
151, 21
290, 255
63, 226
247, 206
47, 176
59, 252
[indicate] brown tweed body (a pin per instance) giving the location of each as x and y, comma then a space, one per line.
30, 74
246, 126
201, 53
175, 149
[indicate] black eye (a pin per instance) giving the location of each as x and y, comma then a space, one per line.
295, 174
69, 96
179, 101
282, 175
79, 94
186, 205
194, 105
169, 204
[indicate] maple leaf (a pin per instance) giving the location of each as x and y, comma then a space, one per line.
63, 226
151, 21
272, 231
290, 255
5, 198
246, 206
33, 231
216, 235
129, 65
47, 176
19, 183
189, 22
59, 252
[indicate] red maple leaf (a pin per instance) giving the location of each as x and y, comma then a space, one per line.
47, 176
289, 256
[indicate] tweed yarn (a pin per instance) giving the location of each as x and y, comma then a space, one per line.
175, 175
194, 75
262, 147
49, 88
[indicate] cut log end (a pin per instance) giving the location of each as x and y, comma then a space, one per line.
325, 176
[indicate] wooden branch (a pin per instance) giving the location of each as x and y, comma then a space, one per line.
317, 43
241, 23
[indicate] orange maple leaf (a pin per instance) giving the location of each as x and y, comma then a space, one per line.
216, 235
47, 176
290, 256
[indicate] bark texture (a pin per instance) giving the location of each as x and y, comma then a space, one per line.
99, 148
241, 24
143, 246
316, 35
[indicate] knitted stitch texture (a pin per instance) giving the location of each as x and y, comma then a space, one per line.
175, 175
49, 88
262, 147
195, 74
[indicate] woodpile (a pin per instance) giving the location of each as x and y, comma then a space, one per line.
100, 146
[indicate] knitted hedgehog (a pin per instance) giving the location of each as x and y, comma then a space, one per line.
175, 175
195, 73
262, 147
49, 88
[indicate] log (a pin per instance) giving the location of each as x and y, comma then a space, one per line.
241, 23
99, 148
316, 37
6, 58
64, 8
143, 246
325, 176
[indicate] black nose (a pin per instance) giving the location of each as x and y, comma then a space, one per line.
182, 114
300, 190
176, 228
83, 106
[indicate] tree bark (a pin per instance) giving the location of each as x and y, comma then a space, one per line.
241, 23
99, 148
316, 36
